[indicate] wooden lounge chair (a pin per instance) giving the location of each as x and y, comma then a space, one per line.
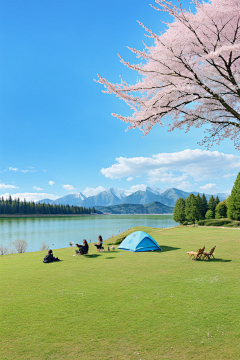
196, 254
209, 254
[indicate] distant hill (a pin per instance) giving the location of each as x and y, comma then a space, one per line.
152, 208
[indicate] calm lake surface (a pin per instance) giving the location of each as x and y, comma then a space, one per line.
59, 231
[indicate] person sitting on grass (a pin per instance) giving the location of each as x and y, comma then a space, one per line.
99, 244
49, 257
83, 249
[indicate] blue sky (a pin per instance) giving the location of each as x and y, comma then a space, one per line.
57, 132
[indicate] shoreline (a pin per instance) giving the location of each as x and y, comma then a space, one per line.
2, 216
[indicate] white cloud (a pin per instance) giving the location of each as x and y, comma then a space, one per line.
185, 185
130, 178
30, 169
31, 196
27, 171
51, 182
68, 187
93, 191
13, 169
209, 188
228, 192
229, 175
37, 188
135, 188
44, 170
6, 186
174, 167
169, 178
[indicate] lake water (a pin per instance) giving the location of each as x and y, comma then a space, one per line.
59, 231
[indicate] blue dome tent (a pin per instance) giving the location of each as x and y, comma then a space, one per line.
139, 241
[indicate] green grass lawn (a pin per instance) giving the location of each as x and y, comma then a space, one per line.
123, 305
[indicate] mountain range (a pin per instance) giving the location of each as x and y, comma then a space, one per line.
114, 196
152, 208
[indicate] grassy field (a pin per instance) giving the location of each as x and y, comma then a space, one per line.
124, 305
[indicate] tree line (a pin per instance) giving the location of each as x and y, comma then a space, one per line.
195, 208
14, 207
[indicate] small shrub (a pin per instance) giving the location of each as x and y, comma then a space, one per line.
233, 224
215, 222
43, 246
3, 250
202, 222
20, 245
221, 222
185, 223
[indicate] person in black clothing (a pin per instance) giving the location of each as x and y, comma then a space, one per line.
99, 244
83, 249
49, 257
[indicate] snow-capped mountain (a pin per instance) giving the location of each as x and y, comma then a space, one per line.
114, 196
120, 193
154, 190
141, 197
71, 199
105, 198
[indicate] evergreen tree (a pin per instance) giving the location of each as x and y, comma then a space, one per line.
179, 211
16, 206
212, 205
234, 201
204, 206
24, 206
217, 201
221, 210
192, 208
199, 201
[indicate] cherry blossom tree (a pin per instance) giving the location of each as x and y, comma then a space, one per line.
190, 76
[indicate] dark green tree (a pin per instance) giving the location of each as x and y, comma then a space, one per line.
234, 201
204, 207
192, 208
221, 210
179, 211
212, 205
217, 201
199, 201
16, 206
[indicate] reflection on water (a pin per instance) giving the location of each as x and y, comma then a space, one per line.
59, 231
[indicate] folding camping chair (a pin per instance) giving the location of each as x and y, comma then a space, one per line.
196, 254
209, 254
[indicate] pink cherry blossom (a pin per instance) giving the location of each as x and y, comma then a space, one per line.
191, 75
